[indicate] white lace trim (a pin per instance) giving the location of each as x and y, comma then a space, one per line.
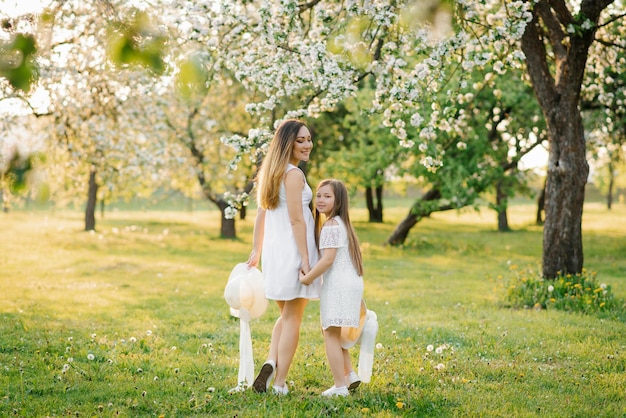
339, 322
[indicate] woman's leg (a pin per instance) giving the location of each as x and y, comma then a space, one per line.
335, 355
268, 370
273, 354
288, 332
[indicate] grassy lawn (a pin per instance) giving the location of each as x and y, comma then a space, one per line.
131, 321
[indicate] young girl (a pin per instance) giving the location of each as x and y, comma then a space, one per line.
342, 288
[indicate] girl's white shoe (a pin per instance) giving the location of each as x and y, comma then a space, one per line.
280, 391
335, 391
353, 381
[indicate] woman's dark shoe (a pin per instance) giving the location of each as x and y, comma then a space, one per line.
264, 379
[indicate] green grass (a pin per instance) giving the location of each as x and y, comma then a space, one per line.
131, 321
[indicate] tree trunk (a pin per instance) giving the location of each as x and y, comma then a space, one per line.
90, 210
565, 194
426, 205
541, 205
609, 195
5, 203
227, 228
501, 205
374, 203
558, 95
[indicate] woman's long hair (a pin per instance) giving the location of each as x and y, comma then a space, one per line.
341, 210
275, 163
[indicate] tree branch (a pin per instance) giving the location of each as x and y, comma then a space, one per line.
611, 20
562, 12
555, 32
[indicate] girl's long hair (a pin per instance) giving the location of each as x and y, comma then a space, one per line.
341, 210
274, 164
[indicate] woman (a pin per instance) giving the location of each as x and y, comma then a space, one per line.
284, 231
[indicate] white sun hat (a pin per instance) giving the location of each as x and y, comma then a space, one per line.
350, 336
245, 290
365, 335
245, 294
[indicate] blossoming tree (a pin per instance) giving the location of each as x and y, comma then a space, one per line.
97, 145
319, 50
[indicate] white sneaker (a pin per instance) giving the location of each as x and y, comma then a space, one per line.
335, 391
280, 391
353, 381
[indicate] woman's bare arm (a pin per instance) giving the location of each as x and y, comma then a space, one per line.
257, 238
294, 183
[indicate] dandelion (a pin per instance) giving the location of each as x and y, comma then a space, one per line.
399, 405
70, 339
149, 333
550, 288
365, 410
93, 336
173, 348
430, 347
439, 350
132, 339
379, 346
90, 356
440, 366
393, 332
211, 389
156, 378
144, 393
139, 370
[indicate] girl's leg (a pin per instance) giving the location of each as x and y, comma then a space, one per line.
335, 355
352, 379
347, 362
289, 334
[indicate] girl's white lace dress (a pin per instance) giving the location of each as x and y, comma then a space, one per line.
342, 287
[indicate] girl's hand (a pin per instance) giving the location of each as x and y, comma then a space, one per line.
303, 279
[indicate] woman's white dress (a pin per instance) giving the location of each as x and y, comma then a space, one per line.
342, 288
280, 259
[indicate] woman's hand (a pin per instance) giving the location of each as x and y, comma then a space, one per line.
253, 259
